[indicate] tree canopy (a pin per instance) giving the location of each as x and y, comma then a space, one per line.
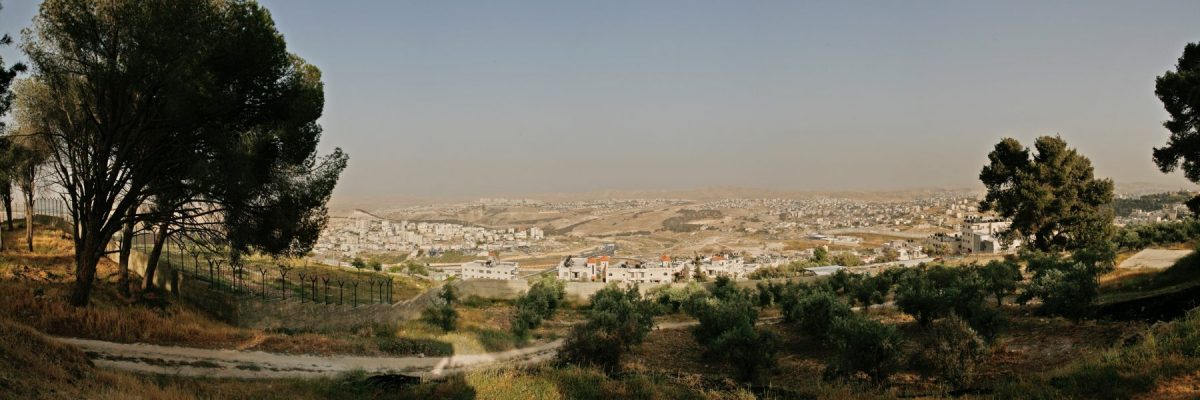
1179, 91
193, 105
1050, 193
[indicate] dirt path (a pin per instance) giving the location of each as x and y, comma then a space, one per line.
230, 363
1154, 259
188, 361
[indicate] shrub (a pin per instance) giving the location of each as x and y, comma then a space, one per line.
416, 268
727, 333
717, 316
539, 303
751, 350
816, 312
1000, 278
766, 294
442, 314
618, 320
847, 259
987, 321
1065, 287
867, 290
953, 350
672, 299
724, 289
840, 281
1138, 237
866, 346
937, 291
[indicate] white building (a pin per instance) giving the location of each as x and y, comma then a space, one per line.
733, 267
663, 272
582, 269
906, 250
490, 269
981, 236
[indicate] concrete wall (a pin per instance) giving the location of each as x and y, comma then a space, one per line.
165, 276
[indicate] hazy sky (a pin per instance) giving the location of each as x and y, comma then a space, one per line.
462, 98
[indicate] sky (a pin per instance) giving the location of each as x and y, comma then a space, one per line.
465, 98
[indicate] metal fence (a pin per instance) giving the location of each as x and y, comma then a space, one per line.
272, 280
251, 279
45, 206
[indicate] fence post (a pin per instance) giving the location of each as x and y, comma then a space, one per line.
303, 286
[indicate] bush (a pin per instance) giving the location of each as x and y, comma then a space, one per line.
866, 346
416, 268
840, 281
442, 314
727, 333
768, 293
937, 291
847, 259
953, 350
672, 299
868, 290
724, 289
717, 316
793, 269
987, 321
751, 350
1065, 287
618, 320
539, 303
1138, 237
1000, 278
815, 312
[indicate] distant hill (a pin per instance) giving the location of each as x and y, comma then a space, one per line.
362, 214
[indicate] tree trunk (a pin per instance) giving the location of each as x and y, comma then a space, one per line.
29, 219
123, 257
7, 199
160, 238
87, 255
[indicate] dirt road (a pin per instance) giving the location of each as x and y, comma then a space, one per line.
256, 364
221, 363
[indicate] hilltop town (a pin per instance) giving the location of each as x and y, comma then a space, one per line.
665, 240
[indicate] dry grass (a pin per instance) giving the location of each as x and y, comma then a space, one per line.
35, 367
35, 286
486, 327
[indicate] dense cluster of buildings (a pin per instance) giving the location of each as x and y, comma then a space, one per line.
664, 270
979, 235
938, 209
361, 232
1172, 212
